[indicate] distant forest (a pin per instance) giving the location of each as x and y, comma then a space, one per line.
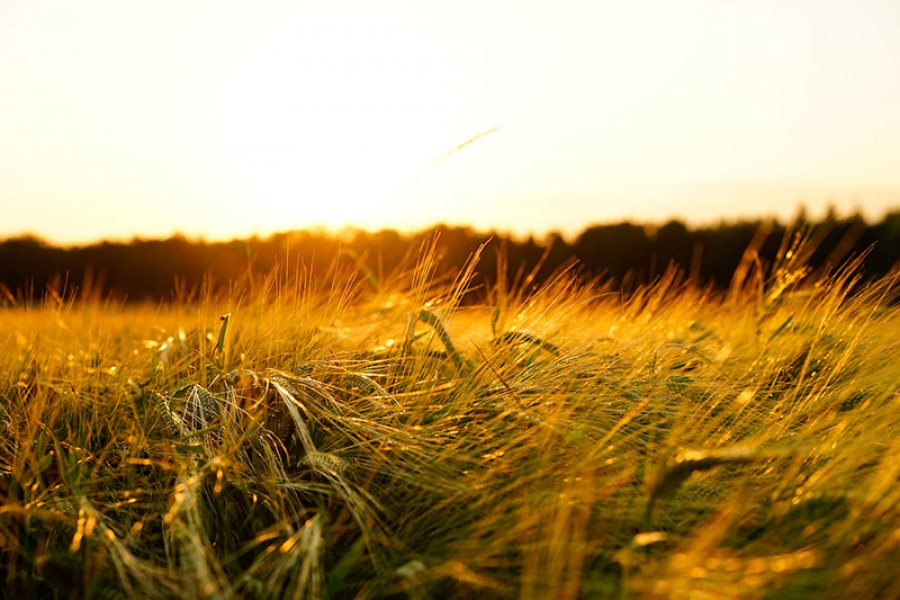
625, 254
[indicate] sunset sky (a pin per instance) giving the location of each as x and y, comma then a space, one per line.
223, 119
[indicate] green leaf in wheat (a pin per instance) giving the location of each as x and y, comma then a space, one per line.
688, 462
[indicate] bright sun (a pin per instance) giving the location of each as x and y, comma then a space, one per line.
297, 138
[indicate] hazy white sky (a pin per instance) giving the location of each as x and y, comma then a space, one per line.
226, 118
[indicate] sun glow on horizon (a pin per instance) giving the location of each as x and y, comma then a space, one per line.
221, 119
335, 156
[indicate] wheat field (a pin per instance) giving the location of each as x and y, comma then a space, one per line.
360, 437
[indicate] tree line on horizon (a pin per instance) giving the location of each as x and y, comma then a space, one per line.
625, 254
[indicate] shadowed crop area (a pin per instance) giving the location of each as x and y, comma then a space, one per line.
357, 437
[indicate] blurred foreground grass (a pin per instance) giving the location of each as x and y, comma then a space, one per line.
365, 438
